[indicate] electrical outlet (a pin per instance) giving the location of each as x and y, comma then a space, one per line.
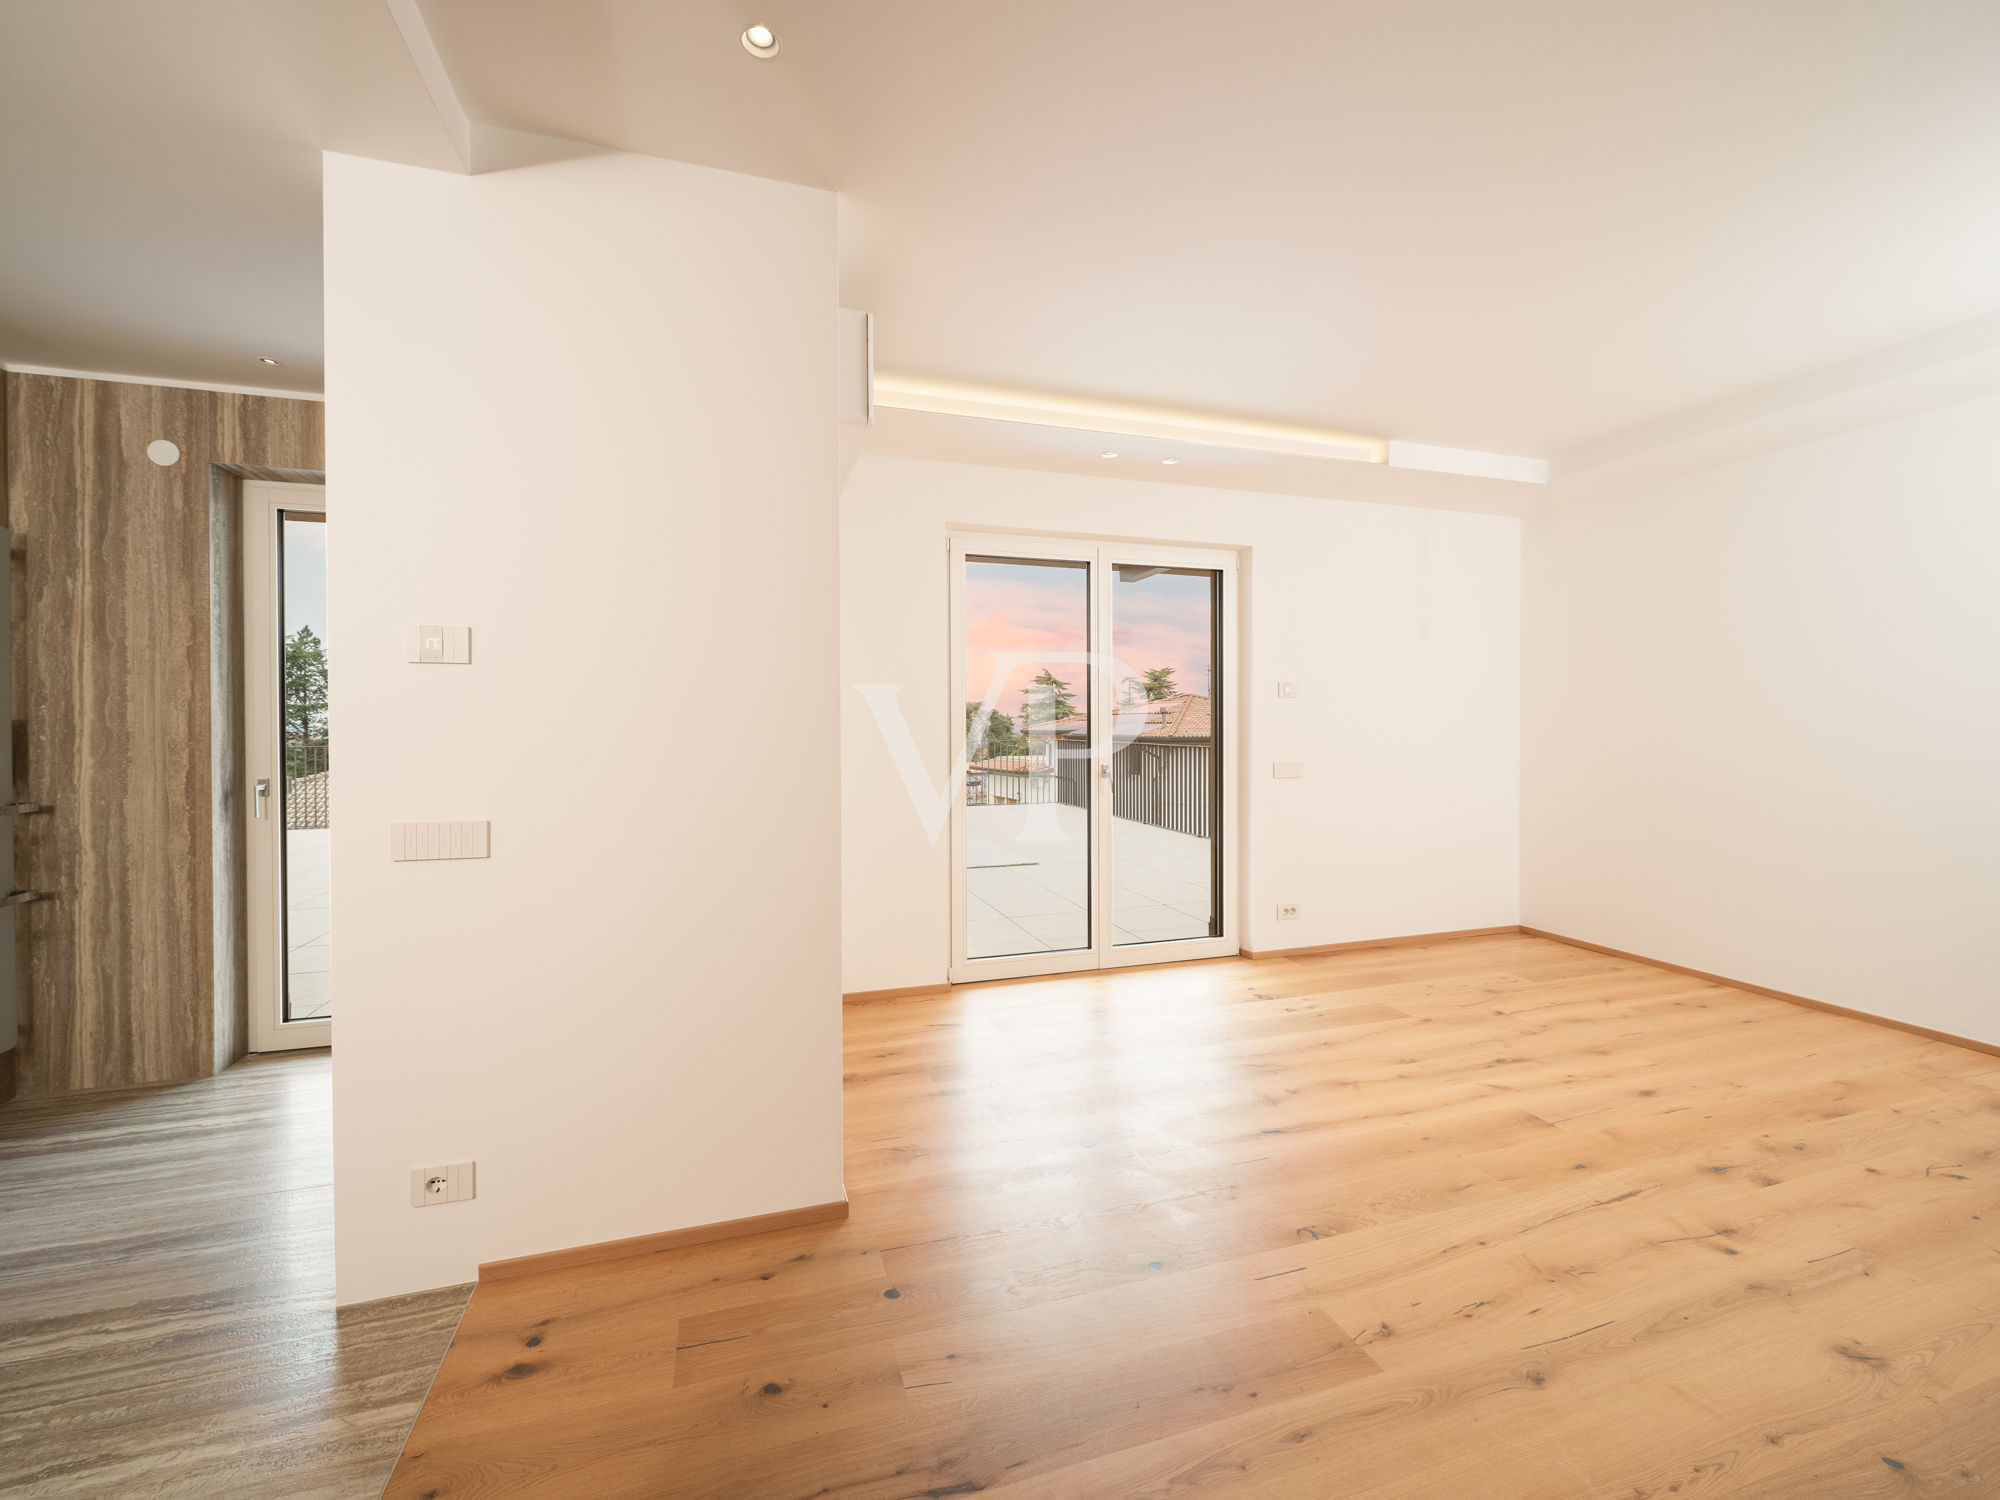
1288, 911
1288, 690
451, 1184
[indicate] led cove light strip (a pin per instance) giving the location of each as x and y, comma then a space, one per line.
913, 394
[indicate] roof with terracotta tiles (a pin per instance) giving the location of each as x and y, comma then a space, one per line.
1183, 717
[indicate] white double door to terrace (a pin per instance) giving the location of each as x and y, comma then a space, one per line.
1095, 821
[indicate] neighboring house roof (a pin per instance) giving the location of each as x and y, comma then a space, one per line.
1182, 717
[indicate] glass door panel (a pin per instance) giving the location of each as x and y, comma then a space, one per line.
1165, 754
305, 862
1027, 838
284, 775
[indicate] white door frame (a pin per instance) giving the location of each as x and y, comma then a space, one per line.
263, 755
1102, 953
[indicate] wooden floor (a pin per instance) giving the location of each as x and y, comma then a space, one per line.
166, 1299
1495, 1218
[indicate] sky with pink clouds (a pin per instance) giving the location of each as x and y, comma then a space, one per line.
1018, 606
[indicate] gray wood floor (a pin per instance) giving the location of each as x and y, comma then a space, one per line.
167, 1325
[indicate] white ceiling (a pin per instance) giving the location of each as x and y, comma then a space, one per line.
159, 177
1522, 227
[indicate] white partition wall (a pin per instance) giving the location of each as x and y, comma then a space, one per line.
586, 410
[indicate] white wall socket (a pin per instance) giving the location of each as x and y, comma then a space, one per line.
1288, 911
1288, 690
450, 1184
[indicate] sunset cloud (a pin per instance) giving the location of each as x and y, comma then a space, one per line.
1030, 607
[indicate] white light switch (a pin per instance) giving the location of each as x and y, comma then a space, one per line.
1286, 770
440, 840
449, 644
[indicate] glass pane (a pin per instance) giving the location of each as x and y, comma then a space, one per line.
308, 905
1166, 765
1027, 751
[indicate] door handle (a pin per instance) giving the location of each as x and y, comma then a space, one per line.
263, 793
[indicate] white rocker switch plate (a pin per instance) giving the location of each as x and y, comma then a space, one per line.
449, 645
440, 840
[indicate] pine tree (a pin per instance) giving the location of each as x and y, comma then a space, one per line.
1159, 683
1046, 699
305, 686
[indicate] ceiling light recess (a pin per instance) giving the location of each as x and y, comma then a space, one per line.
1043, 409
1040, 409
265, 359
761, 41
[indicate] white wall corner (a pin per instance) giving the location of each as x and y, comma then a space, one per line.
1937, 369
430, 66
1471, 462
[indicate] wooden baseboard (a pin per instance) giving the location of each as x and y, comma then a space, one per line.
653, 1244
1991, 1048
1415, 939
862, 997
909, 991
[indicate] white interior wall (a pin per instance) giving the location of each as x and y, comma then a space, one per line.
1761, 720
585, 408
1400, 626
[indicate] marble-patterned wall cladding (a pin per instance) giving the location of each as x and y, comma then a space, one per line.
126, 689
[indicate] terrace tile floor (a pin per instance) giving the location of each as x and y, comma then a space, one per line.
1028, 881
309, 922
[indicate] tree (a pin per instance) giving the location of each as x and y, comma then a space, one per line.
1002, 738
993, 738
305, 686
1046, 699
1159, 683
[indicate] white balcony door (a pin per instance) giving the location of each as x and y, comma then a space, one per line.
1093, 742
287, 770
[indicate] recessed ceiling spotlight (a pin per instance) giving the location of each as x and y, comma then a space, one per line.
1107, 455
1170, 460
760, 41
265, 359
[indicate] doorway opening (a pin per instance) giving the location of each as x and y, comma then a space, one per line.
287, 745
1094, 825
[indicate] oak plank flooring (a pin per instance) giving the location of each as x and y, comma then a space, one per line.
167, 1325
1495, 1216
